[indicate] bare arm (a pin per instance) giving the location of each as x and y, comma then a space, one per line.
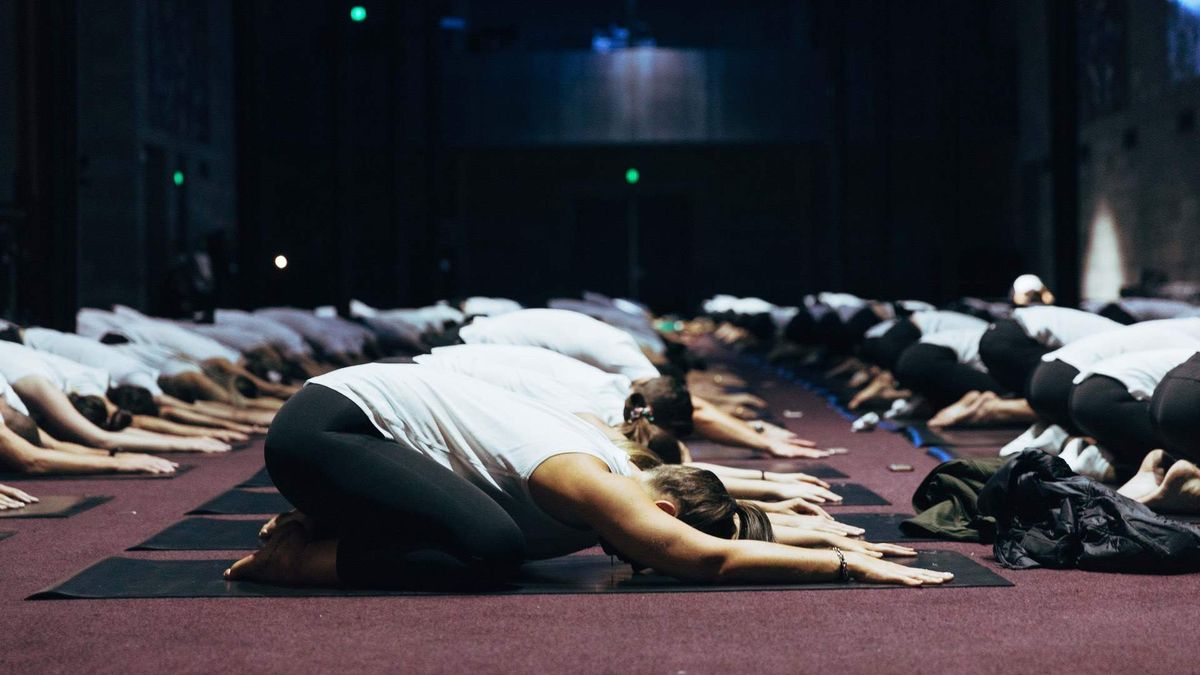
159, 425
717, 425
756, 474
17, 454
578, 488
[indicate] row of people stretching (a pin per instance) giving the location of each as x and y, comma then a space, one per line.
1111, 389
544, 432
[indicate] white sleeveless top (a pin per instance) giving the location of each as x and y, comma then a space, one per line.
1162, 334
1058, 326
608, 390
123, 369
963, 341
541, 388
941, 320
18, 362
492, 438
576, 335
1140, 372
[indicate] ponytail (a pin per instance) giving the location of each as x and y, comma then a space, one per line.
753, 523
639, 427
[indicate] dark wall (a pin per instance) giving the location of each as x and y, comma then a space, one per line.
874, 150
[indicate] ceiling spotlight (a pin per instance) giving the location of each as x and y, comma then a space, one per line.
281, 261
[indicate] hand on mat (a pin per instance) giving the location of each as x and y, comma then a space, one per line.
814, 524
790, 450
207, 445
794, 478
805, 491
868, 548
12, 498
777, 433
796, 505
226, 436
135, 462
865, 568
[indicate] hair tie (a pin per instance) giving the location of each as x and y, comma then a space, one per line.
643, 411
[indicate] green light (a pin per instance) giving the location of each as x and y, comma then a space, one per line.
358, 13
632, 176
177, 177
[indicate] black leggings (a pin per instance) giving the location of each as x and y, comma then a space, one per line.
1175, 410
934, 372
886, 349
1050, 394
401, 519
1011, 355
1104, 409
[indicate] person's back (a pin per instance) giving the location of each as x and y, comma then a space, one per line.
575, 335
529, 383
493, 438
122, 368
576, 375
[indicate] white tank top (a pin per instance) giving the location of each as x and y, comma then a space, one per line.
1164, 334
18, 362
492, 438
11, 398
536, 386
1140, 372
609, 390
1058, 326
941, 320
136, 327
576, 335
963, 341
122, 368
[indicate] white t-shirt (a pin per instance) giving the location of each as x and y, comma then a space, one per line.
610, 389
283, 337
529, 383
879, 329
492, 438
165, 361
481, 306
122, 368
941, 320
335, 336
241, 339
11, 398
1058, 326
1149, 335
575, 335
1147, 309
845, 304
963, 341
1140, 372
137, 328
18, 362
638, 327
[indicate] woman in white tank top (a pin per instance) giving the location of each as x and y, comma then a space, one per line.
408, 476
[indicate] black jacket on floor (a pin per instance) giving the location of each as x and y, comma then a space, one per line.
1047, 515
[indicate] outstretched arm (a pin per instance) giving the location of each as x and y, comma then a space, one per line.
17, 454
717, 425
578, 488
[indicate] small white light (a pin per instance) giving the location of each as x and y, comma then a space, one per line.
281, 261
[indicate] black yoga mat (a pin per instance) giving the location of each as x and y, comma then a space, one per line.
707, 451
882, 527
786, 466
258, 480
242, 501
17, 477
5, 535
205, 534
853, 494
581, 574
55, 506
924, 437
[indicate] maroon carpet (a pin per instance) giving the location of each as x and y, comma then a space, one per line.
1062, 621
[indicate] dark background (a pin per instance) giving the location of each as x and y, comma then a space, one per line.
892, 148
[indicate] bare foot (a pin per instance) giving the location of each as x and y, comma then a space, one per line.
996, 411
1148, 477
848, 365
278, 561
861, 377
1179, 491
883, 382
293, 516
959, 410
